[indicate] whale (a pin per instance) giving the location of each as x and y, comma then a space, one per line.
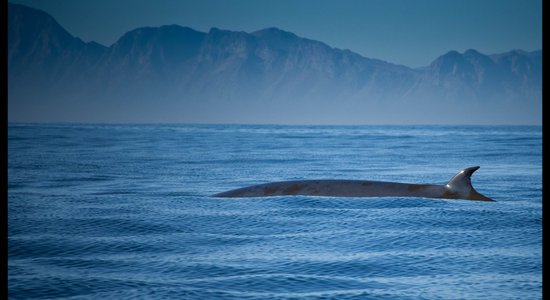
459, 187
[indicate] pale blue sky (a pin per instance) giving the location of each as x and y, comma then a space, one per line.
408, 32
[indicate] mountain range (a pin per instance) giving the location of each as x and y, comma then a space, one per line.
177, 74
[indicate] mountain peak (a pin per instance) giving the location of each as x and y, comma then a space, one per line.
448, 61
38, 25
472, 52
272, 31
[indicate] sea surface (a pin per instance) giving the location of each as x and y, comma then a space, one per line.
124, 212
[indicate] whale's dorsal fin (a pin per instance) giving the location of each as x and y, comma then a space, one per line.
462, 185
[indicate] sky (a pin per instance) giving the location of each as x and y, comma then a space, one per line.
408, 32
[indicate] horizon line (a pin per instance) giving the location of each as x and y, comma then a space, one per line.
264, 124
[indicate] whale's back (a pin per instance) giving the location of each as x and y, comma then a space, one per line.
459, 187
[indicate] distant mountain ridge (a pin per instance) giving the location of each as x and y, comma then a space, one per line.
176, 74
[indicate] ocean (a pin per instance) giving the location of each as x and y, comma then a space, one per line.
98, 211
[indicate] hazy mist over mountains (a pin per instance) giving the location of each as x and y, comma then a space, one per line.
176, 74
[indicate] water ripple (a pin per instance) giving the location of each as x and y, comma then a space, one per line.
123, 212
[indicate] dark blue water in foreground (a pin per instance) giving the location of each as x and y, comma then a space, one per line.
123, 212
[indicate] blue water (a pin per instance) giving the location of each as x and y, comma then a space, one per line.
123, 212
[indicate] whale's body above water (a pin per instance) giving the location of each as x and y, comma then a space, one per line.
459, 187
